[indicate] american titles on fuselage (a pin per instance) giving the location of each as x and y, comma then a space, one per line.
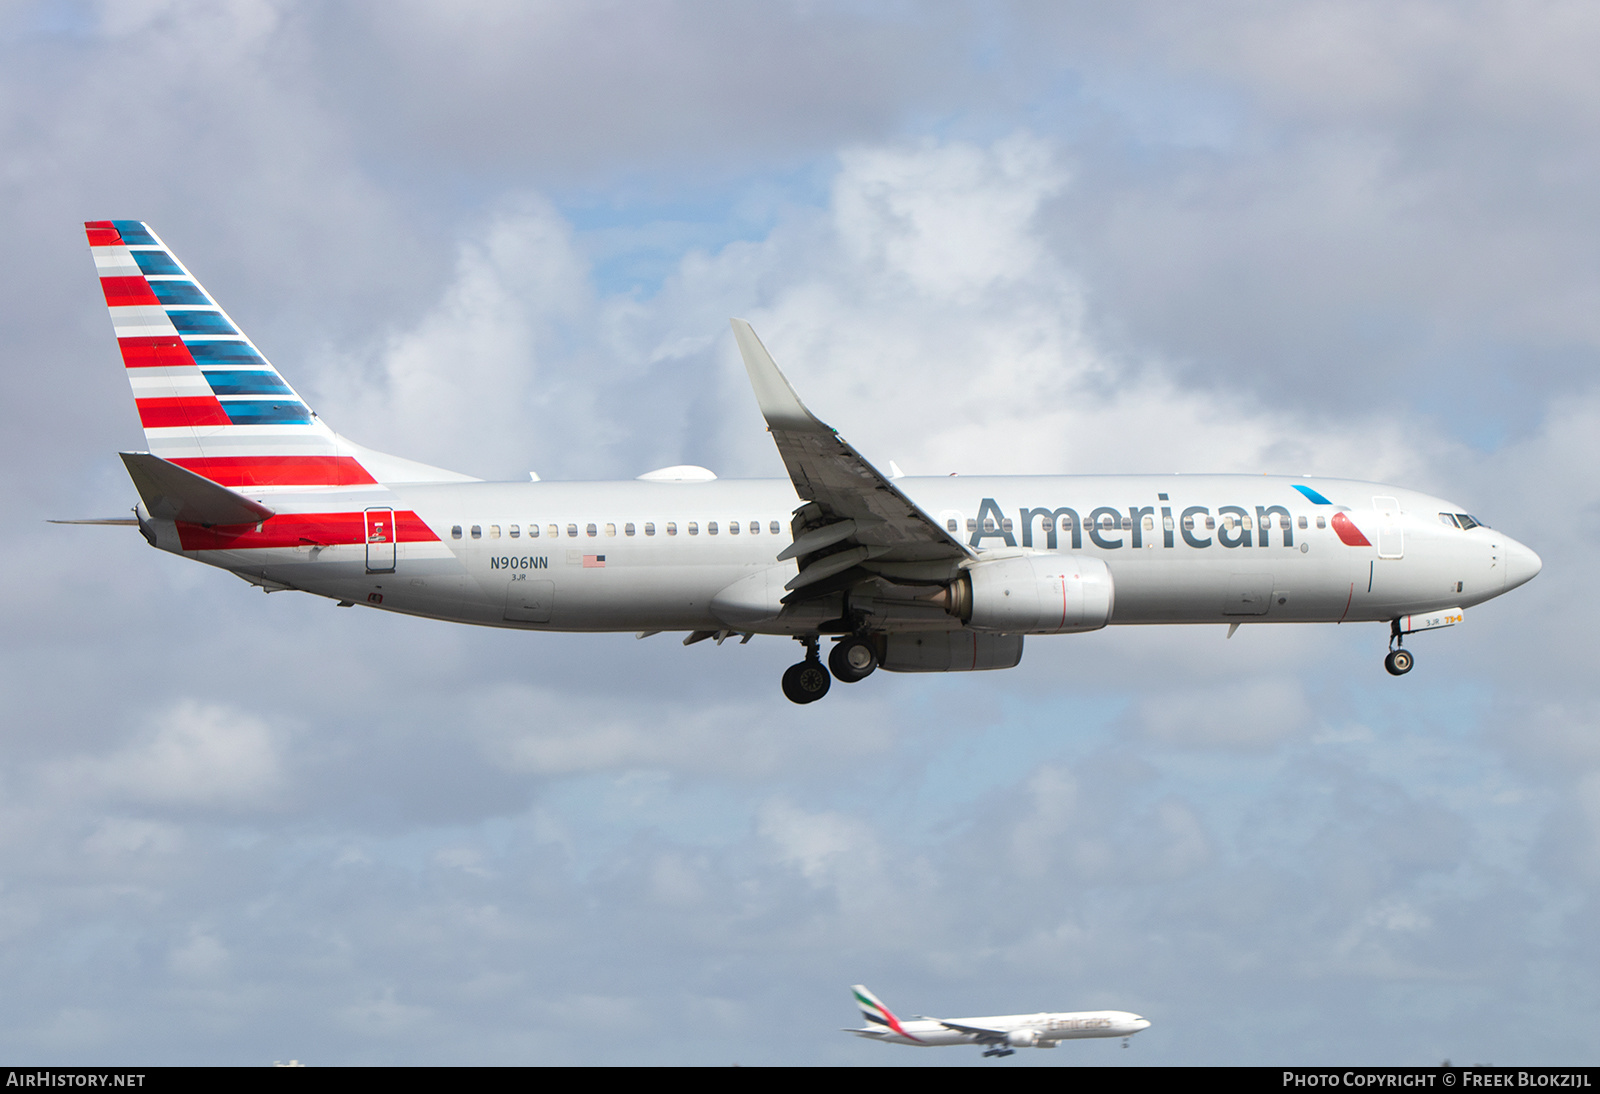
900, 573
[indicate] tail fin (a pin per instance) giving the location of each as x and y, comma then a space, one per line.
208, 399
876, 1014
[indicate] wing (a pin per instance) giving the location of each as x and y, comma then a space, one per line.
984, 1036
855, 524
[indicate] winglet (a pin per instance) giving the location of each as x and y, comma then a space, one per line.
779, 404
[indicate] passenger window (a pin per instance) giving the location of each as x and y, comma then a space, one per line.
773, 527
1066, 524
1005, 524
1322, 522
533, 531
672, 527
972, 524
950, 525
572, 531
627, 529
555, 531
1127, 523
649, 528
477, 531
1188, 524
711, 527
1302, 524
1149, 524
1106, 523
988, 524
455, 531
611, 529
514, 531
755, 528
694, 529
494, 531
592, 530
1166, 523
1245, 522
733, 527
1211, 524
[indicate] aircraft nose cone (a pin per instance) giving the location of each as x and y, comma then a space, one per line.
1522, 565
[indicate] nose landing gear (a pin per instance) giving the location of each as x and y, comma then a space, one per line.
1399, 660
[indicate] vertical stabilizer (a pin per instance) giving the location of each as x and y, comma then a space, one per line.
208, 399
876, 1014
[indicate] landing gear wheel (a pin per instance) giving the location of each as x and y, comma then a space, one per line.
806, 682
853, 659
1398, 662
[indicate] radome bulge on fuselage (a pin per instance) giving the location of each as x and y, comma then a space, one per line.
907, 574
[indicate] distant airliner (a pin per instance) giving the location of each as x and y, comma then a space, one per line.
1003, 1034
908, 574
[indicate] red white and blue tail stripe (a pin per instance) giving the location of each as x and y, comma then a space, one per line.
208, 399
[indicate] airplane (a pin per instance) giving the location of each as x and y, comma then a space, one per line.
907, 574
1001, 1034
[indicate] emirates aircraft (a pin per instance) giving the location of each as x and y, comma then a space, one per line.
907, 574
1001, 1034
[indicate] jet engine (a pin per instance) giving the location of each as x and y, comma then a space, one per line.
1022, 1038
1034, 594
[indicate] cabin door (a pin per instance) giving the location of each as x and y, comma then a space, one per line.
380, 540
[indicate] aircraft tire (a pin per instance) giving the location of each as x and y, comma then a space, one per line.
852, 659
806, 682
1398, 662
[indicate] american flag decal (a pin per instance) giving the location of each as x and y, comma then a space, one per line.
594, 562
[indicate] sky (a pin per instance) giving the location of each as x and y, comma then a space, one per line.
1324, 238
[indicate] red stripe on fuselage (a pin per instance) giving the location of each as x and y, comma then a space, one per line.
151, 351
199, 410
246, 471
125, 292
300, 530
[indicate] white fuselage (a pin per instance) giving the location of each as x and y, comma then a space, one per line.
1024, 1030
646, 556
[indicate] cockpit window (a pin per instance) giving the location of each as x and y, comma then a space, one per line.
1450, 519
1470, 522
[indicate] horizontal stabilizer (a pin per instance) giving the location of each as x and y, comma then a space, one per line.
171, 492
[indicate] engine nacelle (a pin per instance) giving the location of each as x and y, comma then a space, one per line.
1022, 1038
1035, 594
949, 651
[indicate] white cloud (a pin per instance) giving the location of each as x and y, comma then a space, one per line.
192, 755
1246, 714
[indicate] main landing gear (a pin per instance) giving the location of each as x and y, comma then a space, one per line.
807, 681
1399, 660
999, 1050
853, 658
